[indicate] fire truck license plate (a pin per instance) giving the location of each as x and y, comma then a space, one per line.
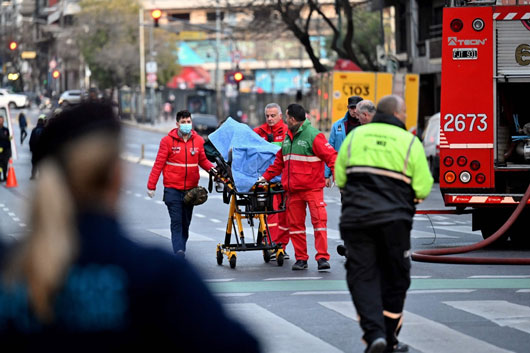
465, 54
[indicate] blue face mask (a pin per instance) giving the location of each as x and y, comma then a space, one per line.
185, 128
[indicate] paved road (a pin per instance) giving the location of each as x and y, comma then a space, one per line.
450, 308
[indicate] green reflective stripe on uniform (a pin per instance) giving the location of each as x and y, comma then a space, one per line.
277, 143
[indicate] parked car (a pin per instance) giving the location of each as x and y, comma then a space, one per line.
431, 145
204, 124
13, 100
70, 97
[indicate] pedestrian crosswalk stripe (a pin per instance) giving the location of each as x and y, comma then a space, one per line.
420, 234
459, 229
277, 334
500, 276
501, 312
166, 233
290, 278
426, 335
234, 294
322, 292
433, 291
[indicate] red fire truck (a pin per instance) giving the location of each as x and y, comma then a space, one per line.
485, 112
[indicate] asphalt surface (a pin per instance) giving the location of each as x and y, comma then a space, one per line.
450, 308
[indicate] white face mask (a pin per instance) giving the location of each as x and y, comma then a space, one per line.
185, 128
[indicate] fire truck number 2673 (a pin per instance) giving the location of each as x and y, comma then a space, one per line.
465, 122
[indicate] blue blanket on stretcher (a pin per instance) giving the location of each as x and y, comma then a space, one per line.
251, 154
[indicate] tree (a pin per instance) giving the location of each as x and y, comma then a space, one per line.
107, 33
299, 17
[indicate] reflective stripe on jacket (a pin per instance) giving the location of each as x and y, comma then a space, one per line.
301, 159
381, 169
179, 161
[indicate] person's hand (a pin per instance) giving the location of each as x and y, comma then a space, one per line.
328, 182
261, 181
151, 193
213, 171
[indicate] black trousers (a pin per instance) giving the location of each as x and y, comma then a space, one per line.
378, 276
4, 162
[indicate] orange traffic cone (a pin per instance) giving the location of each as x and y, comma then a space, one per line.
11, 177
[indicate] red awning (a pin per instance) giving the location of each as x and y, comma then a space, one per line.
189, 77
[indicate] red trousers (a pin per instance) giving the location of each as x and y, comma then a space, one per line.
296, 213
278, 226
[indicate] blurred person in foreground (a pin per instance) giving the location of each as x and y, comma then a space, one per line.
382, 171
77, 282
274, 131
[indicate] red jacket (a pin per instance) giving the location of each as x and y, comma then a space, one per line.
179, 161
301, 160
278, 131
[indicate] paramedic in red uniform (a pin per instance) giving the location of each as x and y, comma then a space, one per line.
273, 131
301, 163
179, 156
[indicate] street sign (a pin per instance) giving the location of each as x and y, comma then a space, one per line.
151, 68
28, 55
151, 78
236, 56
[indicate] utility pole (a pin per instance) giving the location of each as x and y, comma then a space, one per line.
142, 62
152, 111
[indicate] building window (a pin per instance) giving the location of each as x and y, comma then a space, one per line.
211, 16
180, 16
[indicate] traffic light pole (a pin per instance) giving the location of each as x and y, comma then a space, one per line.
142, 63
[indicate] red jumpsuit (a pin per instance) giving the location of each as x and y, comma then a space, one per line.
301, 163
277, 222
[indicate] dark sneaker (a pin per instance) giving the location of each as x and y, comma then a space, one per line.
323, 264
299, 265
400, 348
377, 346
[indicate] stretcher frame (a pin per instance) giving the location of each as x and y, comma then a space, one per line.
254, 206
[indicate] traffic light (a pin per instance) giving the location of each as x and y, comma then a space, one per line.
56, 74
238, 76
13, 45
156, 14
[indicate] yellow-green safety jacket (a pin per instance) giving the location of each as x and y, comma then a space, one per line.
381, 168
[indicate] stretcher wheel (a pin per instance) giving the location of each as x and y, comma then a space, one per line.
279, 259
233, 261
219, 257
266, 256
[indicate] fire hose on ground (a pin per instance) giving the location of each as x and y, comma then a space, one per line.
437, 255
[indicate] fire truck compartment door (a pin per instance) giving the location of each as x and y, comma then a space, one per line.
513, 49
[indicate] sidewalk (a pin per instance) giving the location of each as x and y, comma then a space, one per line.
159, 126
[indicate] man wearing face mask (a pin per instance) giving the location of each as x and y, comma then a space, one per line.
179, 156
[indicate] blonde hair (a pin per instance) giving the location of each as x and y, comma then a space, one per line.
80, 177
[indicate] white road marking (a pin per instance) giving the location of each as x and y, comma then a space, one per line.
500, 276
322, 292
443, 223
147, 198
523, 291
11, 214
160, 202
501, 312
22, 225
432, 291
281, 335
214, 220
290, 278
166, 233
420, 234
459, 229
199, 215
137, 195
233, 294
417, 277
426, 335
219, 280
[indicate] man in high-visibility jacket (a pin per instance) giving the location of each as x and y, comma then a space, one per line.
300, 161
382, 172
274, 131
